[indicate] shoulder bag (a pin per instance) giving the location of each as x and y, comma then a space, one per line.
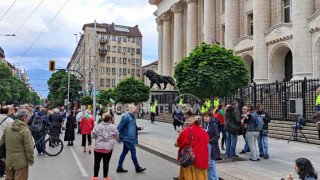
187, 156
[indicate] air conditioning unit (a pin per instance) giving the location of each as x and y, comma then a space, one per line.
124, 53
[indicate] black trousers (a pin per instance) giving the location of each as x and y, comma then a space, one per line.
319, 133
157, 110
97, 159
84, 139
152, 116
79, 130
2, 168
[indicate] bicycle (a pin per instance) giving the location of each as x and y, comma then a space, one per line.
53, 146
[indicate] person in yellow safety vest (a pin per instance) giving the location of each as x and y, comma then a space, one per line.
181, 102
216, 102
152, 112
156, 104
204, 109
318, 101
208, 103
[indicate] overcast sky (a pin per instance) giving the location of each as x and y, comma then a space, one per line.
58, 42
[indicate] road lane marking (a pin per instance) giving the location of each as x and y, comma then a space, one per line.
79, 164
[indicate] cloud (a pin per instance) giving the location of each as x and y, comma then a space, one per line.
58, 39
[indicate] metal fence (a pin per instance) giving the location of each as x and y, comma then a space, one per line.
275, 97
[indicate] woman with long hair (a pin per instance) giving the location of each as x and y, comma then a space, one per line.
219, 114
304, 169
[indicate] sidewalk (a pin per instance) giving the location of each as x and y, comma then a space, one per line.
159, 138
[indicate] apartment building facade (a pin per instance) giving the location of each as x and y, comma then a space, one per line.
278, 39
118, 55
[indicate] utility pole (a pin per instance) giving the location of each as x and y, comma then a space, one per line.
84, 67
68, 103
94, 70
89, 83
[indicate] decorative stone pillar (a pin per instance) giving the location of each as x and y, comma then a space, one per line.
177, 9
232, 29
192, 25
209, 22
261, 22
160, 46
302, 43
167, 49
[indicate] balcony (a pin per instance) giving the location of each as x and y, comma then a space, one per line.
103, 41
102, 51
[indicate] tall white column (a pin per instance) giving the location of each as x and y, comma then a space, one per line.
160, 47
177, 10
261, 22
232, 29
302, 43
209, 21
192, 25
167, 49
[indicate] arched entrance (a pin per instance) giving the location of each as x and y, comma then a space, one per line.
280, 63
247, 58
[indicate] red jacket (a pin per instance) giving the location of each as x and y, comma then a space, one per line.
86, 126
199, 145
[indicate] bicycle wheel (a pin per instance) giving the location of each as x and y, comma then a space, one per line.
53, 146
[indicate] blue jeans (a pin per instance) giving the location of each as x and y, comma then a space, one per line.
246, 146
318, 108
40, 145
212, 169
231, 143
263, 144
127, 146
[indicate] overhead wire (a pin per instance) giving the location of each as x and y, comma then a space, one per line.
42, 32
8, 10
29, 16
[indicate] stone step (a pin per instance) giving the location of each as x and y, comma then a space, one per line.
287, 133
313, 141
312, 132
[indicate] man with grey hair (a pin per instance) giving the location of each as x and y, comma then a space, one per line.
232, 124
79, 117
19, 147
56, 123
37, 126
128, 133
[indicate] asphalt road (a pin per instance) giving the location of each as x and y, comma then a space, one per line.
73, 164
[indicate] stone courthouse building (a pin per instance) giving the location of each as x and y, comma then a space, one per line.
278, 39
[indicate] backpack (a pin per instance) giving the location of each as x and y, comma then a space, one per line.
258, 123
37, 123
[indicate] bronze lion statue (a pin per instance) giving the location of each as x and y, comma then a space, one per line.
158, 79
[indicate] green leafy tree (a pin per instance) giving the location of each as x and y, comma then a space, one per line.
131, 90
86, 100
58, 86
33, 98
104, 97
211, 70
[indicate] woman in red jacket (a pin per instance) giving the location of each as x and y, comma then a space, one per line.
86, 126
198, 170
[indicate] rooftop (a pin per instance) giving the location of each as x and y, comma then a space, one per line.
117, 29
153, 63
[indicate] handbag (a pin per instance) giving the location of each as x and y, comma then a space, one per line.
232, 130
187, 156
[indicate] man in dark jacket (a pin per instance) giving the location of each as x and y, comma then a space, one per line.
263, 136
232, 124
38, 135
11, 112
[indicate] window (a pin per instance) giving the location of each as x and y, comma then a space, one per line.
129, 60
132, 71
133, 61
138, 40
124, 71
102, 69
120, 71
102, 37
119, 60
108, 82
113, 82
138, 62
108, 59
114, 38
119, 49
138, 51
119, 39
250, 18
124, 39
223, 5
108, 37
124, 49
102, 58
108, 70
101, 82
114, 48
287, 10
128, 50
133, 50
124, 60
128, 71
138, 72
133, 40
113, 70
108, 48
113, 59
